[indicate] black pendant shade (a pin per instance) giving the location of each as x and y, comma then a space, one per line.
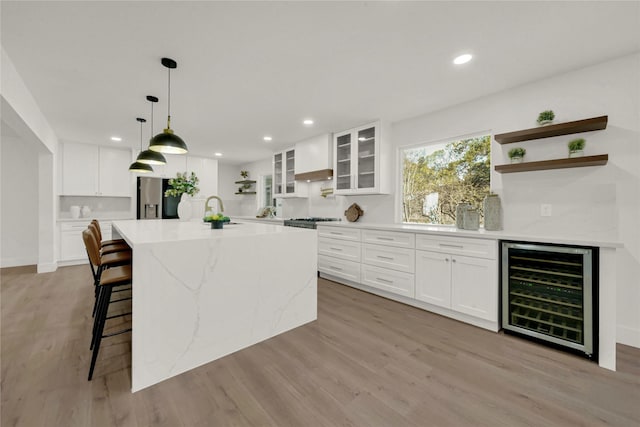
138, 167
168, 142
148, 156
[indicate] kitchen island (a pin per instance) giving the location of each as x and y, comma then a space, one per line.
200, 294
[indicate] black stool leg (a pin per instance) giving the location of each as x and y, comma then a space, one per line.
101, 317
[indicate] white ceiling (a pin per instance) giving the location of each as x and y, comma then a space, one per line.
249, 69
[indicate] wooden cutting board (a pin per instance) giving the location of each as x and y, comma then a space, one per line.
353, 213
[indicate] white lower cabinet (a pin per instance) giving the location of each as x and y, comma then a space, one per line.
433, 278
389, 257
72, 250
474, 287
464, 284
452, 276
348, 270
388, 280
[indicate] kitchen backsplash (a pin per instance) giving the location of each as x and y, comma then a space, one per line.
99, 206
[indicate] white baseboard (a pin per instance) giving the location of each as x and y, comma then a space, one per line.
628, 336
47, 267
17, 262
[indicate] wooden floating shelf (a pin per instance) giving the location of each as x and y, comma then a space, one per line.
246, 181
586, 125
247, 192
574, 162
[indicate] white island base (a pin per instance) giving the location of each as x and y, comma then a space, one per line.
200, 294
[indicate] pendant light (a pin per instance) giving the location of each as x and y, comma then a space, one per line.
167, 142
137, 166
147, 156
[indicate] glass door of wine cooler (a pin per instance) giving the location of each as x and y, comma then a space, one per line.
547, 293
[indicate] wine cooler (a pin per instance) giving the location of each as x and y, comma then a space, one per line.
549, 293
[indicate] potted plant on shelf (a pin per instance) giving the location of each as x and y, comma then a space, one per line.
517, 154
546, 117
179, 186
244, 174
576, 147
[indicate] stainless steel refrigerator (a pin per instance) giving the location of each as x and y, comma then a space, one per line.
151, 201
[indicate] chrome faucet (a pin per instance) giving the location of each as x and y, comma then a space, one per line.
206, 204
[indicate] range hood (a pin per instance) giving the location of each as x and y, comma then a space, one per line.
314, 159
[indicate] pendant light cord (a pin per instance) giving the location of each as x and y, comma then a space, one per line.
169, 100
151, 130
141, 137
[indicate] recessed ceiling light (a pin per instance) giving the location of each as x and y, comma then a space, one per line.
307, 122
462, 59
116, 138
217, 154
267, 138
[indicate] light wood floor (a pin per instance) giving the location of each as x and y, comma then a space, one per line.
366, 361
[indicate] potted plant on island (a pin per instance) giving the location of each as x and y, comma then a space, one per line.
517, 154
179, 186
216, 220
576, 147
546, 117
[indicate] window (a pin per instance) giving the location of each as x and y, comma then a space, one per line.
436, 177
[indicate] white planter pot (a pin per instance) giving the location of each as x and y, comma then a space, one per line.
185, 208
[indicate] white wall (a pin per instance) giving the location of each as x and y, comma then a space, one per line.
596, 202
19, 201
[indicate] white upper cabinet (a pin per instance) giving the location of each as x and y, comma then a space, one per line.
314, 158
361, 161
284, 170
207, 172
114, 175
90, 170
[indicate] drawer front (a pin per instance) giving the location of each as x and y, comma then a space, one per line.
343, 249
340, 268
74, 226
389, 257
392, 281
390, 238
352, 234
480, 248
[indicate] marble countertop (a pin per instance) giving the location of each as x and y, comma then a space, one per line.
278, 221
478, 234
137, 232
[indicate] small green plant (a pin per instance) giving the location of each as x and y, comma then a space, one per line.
546, 116
182, 184
517, 152
244, 174
576, 144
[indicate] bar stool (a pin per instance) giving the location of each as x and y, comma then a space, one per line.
108, 245
106, 281
101, 262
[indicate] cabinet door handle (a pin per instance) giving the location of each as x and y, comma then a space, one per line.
446, 245
384, 257
380, 279
335, 249
333, 267
453, 260
446, 259
335, 232
388, 239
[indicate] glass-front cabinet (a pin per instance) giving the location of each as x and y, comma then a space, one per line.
357, 161
284, 171
277, 174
